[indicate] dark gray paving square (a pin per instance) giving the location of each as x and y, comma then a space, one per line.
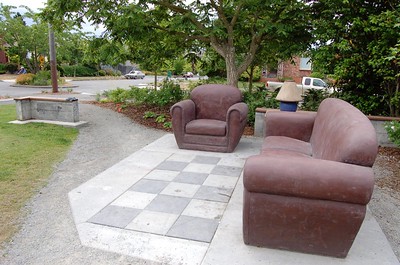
194, 228
191, 177
172, 165
227, 171
213, 194
168, 204
206, 160
116, 216
149, 186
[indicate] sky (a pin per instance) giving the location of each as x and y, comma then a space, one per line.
35, 5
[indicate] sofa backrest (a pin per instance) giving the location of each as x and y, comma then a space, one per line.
212, 101
343, 133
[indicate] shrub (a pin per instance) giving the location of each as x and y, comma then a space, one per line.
24, 79
393, 131
313, 98
258, 99
169, 93
42, 78
11, 67
79, 70
3, 69
102, 73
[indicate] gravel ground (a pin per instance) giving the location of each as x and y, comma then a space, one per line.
48, 234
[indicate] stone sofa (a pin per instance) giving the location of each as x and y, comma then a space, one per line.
308, 189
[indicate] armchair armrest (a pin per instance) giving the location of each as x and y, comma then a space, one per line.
309, 178
298, 125
184, 110
242, 110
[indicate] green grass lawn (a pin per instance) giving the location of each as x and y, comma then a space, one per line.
27, 156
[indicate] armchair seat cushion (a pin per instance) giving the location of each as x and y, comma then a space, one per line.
206, 127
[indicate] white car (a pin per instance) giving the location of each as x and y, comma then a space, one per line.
135, 75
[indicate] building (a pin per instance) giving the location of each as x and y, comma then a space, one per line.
294, 69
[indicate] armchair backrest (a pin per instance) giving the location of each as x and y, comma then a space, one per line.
212, 101
343, 133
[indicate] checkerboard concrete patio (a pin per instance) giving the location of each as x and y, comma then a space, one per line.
174, 206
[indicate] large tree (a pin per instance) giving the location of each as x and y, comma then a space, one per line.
234, 29
358, 42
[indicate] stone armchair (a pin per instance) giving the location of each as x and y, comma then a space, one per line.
213, 119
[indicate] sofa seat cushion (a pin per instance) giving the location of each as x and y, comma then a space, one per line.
206, 127
285, 143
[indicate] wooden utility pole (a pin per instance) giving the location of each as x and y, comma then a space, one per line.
53, 63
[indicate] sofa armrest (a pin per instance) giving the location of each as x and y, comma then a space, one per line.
308, 178
298, 125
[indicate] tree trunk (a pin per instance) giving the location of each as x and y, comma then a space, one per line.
251, 74
231, 69
155, 80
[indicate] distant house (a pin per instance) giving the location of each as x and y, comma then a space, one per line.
295, 69
3, 57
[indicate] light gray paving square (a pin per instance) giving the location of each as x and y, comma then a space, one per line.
220, 181
133, 199
172, 165
168, 204
213, 194
194, 228
199, 168
181, 189
181, 157
191, 177
205, 209
115, 216
227, 171
165, 175
153, 222
149, 186
232, 161
206, 160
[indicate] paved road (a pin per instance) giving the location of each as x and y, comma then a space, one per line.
85, 90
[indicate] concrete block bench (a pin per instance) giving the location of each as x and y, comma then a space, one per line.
59, 111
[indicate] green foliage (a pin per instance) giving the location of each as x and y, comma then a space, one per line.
393, 131
42, 78
358, 42
369, 104
161, 118
167, 125
149, 114
163, 28
256, 75
169, 94
3, 69
179, 64
258, 99
11, 67
102, 73
79, 70
313, 98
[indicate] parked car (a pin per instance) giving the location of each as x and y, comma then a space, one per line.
188, 75
135, 75
306, 83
